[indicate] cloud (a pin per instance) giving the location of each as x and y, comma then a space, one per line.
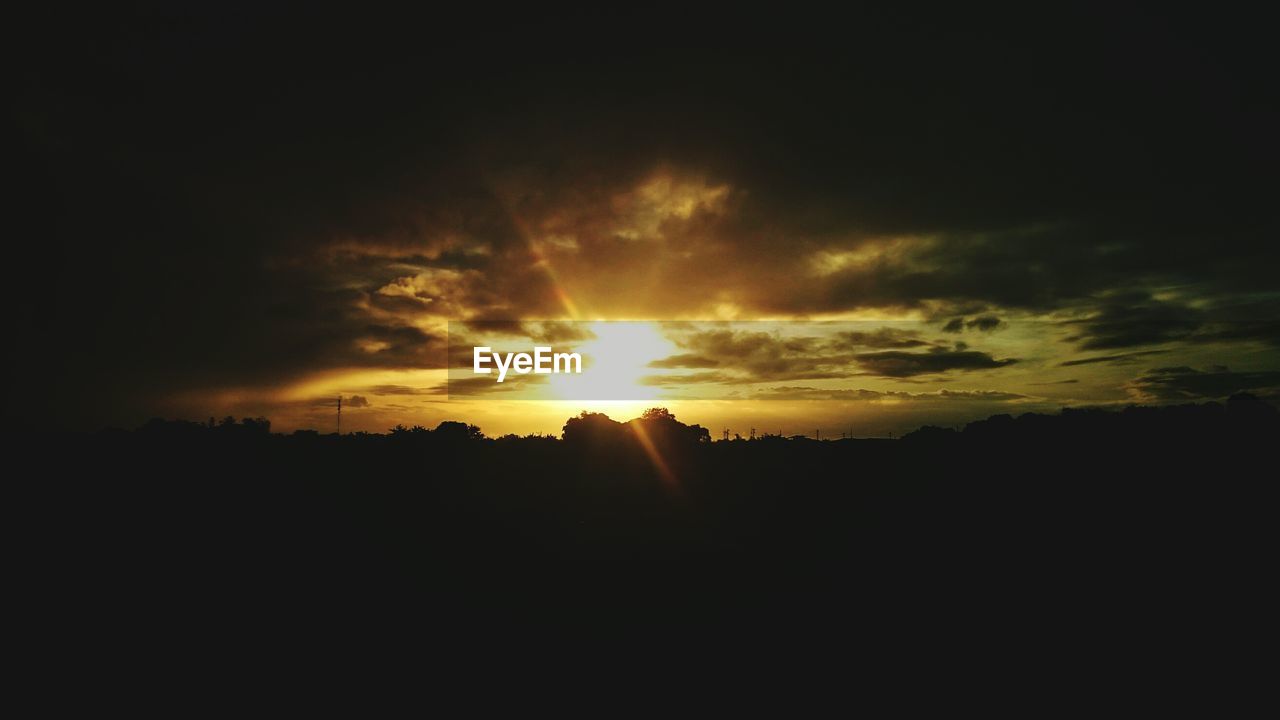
473, 386
1131, 319
752, 356
685, 360
367, 208
1187, 384
884, 338
697, 378
1116, 359
904, 364
985, 323
356, 401
812, 393
1251, 318
544, 332
744, 356
398, 390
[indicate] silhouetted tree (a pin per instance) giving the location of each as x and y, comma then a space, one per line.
452, 430
657, 414
592, 428
662, 427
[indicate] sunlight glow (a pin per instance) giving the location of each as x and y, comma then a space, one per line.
616, 361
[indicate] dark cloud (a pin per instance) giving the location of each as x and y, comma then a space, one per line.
356, 401
1250, 318
812, 393
1133, 319
754, 356
985, 323
980, 395
757, 355
1116, 359
884, 338
1186, 384
897, 364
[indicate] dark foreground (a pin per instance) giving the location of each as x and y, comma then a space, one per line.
1096, 542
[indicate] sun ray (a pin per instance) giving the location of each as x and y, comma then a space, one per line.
655, 456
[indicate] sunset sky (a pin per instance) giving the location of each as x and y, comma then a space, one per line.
877, 223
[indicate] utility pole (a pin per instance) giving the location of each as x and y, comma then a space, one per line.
339, 416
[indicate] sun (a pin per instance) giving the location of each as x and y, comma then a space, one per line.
615, 363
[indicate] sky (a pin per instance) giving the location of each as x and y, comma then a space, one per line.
251, 211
